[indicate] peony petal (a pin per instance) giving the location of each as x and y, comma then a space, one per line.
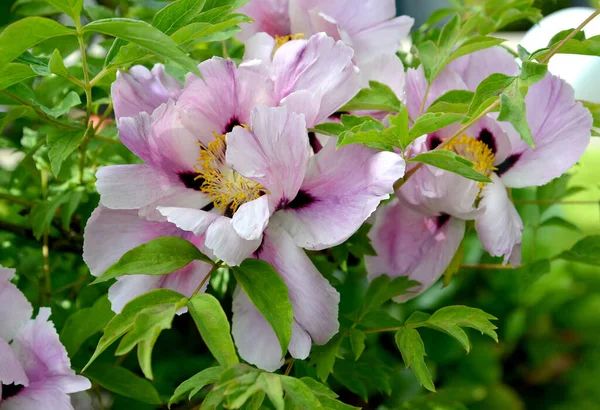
412, 244
341, 190
275, 153
142, 90
382, 38
270, 16
39, 396
224, 98
133, 186
161, 140
11, 371
227, 244
253, 335
476, 67
44, 358
191, 220
499, 227
561, 129
314, 301
15, 309
259, 47
251, 219
386, 69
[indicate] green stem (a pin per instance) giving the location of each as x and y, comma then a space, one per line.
45, 243
88, 97
208, 275
384, 329
17, 200
45, 117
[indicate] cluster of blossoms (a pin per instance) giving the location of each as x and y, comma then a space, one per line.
231, 164
35, 371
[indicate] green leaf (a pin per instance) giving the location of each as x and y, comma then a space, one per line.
26, 33
13, 73
429, 55
531, 273
125, 321
57, 65
324, 356
513, 110
42, 213
240, 382
159, 256
300, 394
594, 110
454, 101
70, 7
449, 35
194, 384
121, 381
454, 266
148, 325
177, 14
70, 204
125, 54
561, 223
203, 32
452, 162
452, 319
382, 289
589, 47
85, 323
62, 144
357, 341
144, 35
269, 294
71, 100
473, 45
430, 122
379, 97
413, 353
399, 129
214, 328
587, 251
487, 92
532, 72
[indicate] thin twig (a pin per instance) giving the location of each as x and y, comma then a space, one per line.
208, 275
488, 266
17, 200
288, 369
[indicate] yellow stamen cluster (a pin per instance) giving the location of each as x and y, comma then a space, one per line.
226, 188
281, 40
478, 152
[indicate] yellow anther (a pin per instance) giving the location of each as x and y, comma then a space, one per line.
478, 152
281, 40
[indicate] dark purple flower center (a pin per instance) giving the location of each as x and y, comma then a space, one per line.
314, 142
488, 139
507, 164
302, 200
10, 390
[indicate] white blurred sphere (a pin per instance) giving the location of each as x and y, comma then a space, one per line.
582, 72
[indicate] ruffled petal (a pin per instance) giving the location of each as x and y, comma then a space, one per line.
11, 370
412, 244
39, 396
161, 140
251, 219
227, 244
499, 227
476, 67
275, 153
386, 69
142, 90
191, 220
341, 190
223, 98
561, 129
382, 38
314, 301
320, 66
44, 358
260, 47
15, 309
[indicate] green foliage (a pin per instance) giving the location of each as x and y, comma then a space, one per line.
159, 256
379, 97
587, 251
269, 294
413, 353
450, 161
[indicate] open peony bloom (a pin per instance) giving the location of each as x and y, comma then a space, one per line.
561, 129
370, 27
35, 371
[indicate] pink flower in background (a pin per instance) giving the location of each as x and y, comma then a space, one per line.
370, 27
35, 371
561, 130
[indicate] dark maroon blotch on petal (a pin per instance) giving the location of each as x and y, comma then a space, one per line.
191, 181
10, 390
314, 142
233, 122
442, 220
488, 139
302, 200
433, 141
507, 164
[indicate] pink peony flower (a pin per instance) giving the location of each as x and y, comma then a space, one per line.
35, 371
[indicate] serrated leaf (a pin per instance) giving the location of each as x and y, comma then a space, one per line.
379, 97
13, 73
532, 72
324, 356
159, 256
214, 328
148, 325
513, 110
62, 143
454, 101
269, 294
413, 353
473, 45
124, 321
382, 289
26, 33
357, 342
450, 161
194, 384
85, 323
586, 250
121, 381
144, 35
300, 394
487, 92
71, 100
177, 14
430, 122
